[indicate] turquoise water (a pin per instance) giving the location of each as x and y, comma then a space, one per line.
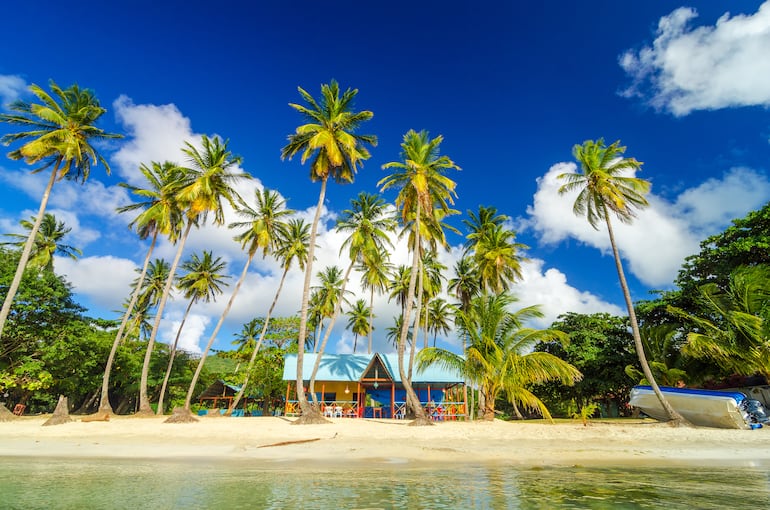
131, 484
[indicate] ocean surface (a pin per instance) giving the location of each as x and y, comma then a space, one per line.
32, 483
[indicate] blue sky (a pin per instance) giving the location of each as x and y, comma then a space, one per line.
511, 87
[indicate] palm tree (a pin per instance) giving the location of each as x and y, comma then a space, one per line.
439, 314
603, 189
422, 187
398, 286
287, 242
47, 242
203, 282
465, 285
262, 227
62, 131
205, 185
734, 323
375, 273
329, 139
433, 283
246, 340
358, 320
499, 357
369, 224
326, 302
160, 216
498, 260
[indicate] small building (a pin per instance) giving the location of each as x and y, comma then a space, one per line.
370, 386
219, 393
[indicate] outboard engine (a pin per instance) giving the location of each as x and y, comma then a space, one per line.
755, 411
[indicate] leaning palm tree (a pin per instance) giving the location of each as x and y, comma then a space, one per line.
422, 187
262, 227
47, 242
246, 340
62, 131
330, 141
604, 188
358, 321
287, 242
203, 282
500, 357
160, 216
369, 224
206, 185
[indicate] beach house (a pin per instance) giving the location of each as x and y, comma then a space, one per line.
370, 386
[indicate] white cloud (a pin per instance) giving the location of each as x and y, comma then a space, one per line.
11, 88
191, 336
703, 68
155, 133
106, 281
662, 235
550, 290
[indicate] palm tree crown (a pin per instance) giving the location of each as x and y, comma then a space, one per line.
47, 242
329, 137
602, 183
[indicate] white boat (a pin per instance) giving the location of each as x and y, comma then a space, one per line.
704, 408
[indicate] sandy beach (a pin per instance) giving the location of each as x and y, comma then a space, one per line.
275, 440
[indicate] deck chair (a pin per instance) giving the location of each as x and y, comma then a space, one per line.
18, 410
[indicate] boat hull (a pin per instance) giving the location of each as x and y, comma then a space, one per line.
703, 408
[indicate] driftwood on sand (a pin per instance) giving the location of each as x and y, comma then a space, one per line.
61, 414
96, 417
284, 443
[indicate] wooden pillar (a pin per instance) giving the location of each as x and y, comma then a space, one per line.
465, 403
286, 403
361, 400
392, 399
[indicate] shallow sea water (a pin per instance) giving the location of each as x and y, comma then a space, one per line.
138, 484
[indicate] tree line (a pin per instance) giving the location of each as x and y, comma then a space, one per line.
502, 358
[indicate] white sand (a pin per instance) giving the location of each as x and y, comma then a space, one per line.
387, 441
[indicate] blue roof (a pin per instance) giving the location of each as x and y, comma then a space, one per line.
350, 367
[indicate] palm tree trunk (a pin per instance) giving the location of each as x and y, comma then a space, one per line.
214, 333
25, 252
144, 401
159, 411
253, 358
104, 402
417, 316
371, 320
310, 414
675, 417
327, 333
412, 401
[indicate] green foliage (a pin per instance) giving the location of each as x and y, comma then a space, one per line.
499, 357
587, 411
745, 243
733, 324
600, 347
